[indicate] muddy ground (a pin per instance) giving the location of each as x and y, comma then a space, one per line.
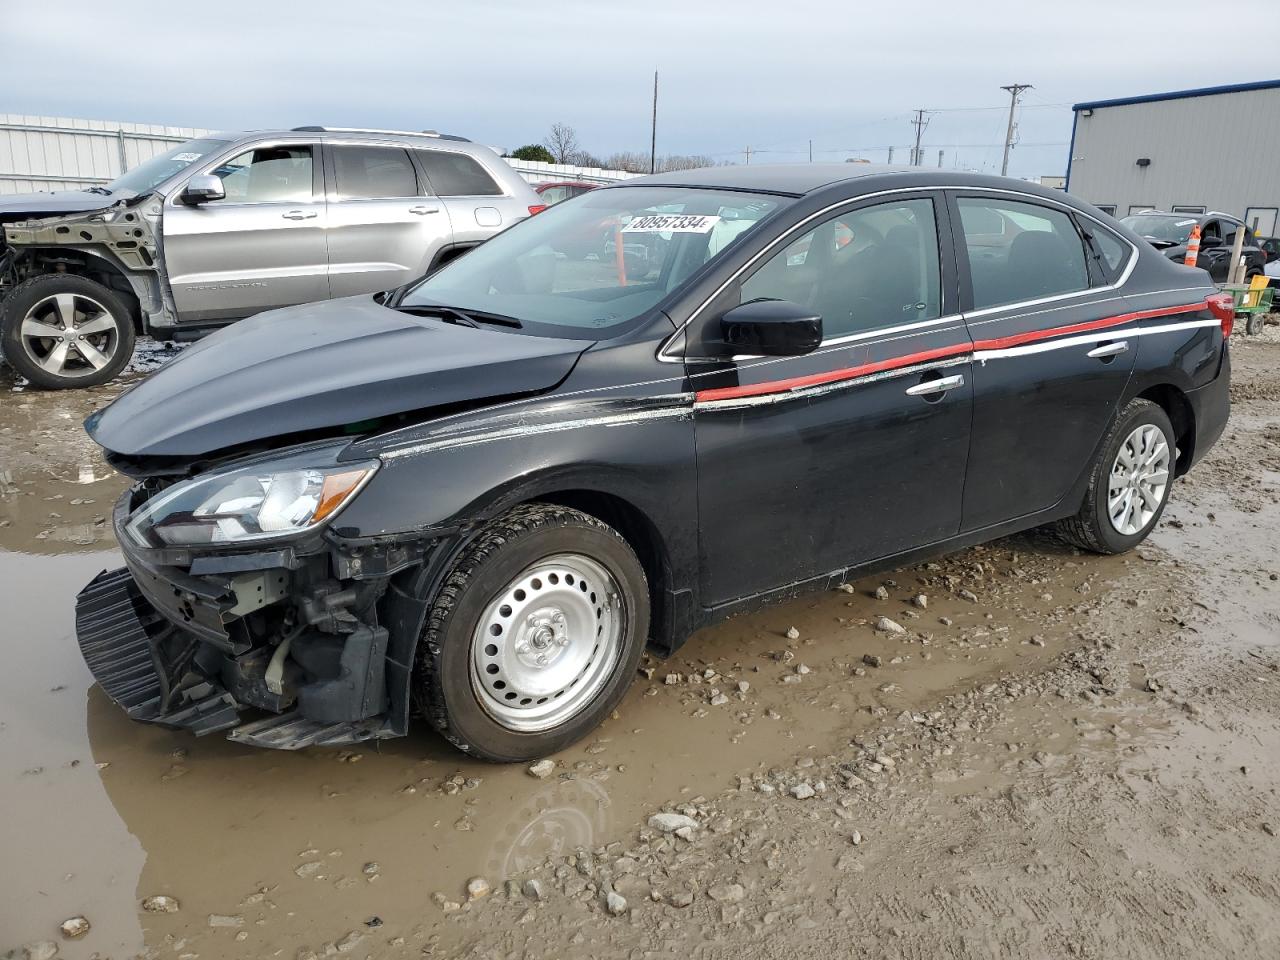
1060, 755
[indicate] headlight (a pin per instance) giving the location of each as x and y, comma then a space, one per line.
252, 503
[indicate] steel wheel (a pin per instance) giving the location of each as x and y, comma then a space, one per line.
547, 643
69, 335
1138, 481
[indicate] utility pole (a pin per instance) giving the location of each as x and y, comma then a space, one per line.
940, 152
891, 154
653, 130
811, 151
1015, 91
748, 151
920, 122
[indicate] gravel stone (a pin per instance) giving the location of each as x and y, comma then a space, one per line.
616, 903
793, 633
671, 822
802, 791
225, 920
74, 928
160, 904
533, 890
478, 887
882, 593
39, 950
885, 625
726, 892
542, 769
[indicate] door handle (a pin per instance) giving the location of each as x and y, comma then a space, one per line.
941, 385
299, 215
422, 211
1109, 349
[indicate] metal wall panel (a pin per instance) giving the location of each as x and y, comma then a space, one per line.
1220, 152
60, 153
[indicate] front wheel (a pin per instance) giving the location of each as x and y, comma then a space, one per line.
61, 330
535, 635
1129, 484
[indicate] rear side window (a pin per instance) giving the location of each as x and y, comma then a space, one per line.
369, 172
1020, 251
457, 175
1110, 252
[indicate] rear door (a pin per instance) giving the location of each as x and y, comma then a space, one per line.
385, 228
478, 207
1051, 356
260, 247
810, 464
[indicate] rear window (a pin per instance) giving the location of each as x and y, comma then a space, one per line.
457, 175
367, 172
1020, 251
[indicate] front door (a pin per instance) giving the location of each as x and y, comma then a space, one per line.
807, 465
1051, 358
260, 247
384, 229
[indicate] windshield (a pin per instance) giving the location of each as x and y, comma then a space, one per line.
1169, 229
151, 173
591, 264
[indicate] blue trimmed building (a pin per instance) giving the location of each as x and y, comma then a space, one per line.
1212, 148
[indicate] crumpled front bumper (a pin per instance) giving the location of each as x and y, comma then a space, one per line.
152, 668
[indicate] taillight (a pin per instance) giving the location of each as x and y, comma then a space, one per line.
537, 208
1223, 306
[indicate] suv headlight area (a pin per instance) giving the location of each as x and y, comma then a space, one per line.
260, 501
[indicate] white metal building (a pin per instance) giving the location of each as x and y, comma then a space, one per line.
1192, 151
58, 153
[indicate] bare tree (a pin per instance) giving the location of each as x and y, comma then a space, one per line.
628, 160
562, 142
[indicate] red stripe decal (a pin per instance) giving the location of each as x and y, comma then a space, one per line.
911, 359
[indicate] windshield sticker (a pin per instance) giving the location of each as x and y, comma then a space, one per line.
185, 157
671, 223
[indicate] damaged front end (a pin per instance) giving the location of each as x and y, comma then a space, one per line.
208, 637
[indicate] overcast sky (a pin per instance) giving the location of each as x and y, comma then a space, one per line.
734, 73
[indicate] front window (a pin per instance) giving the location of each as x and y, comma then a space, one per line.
151, 173
588, 267
268, 175
1171, 231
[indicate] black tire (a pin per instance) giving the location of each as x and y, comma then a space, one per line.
23, 354
443, 688
1091, 528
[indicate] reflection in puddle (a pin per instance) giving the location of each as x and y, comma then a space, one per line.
556, 820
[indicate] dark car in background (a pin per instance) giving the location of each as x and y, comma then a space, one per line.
477, 499
1170, 232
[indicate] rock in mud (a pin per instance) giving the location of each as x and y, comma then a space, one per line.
478, 887
802, 791
872, 660
225, 920
793, 633
38, 950
681, 899
726, 892
882, 593
885, 625
160, 904
920, 600
616, 903
533, 890
671, 822
74, 928
542, 769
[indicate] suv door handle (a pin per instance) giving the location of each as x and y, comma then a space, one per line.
1109, 349
422, 210
941, 385
299, 215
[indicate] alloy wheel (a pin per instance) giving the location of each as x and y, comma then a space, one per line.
69, 335
548, 642
1139, 479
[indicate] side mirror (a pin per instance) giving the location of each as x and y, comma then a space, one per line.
1208, 242
771, 328
203, 188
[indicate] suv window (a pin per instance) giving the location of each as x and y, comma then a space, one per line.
370, 172
268, 175
457, 175
861, 270
1037, 252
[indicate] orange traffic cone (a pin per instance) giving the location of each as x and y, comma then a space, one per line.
1193, 247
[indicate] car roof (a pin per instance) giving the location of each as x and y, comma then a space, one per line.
800, 179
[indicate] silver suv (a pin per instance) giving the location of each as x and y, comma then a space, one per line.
230, 225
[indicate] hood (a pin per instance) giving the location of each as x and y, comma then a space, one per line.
53, 204
321, 366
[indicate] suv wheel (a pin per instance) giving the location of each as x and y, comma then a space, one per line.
1130, 482
535, 636
61, 331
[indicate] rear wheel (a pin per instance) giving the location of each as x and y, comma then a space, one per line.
535, 636
1130, 482
62, 331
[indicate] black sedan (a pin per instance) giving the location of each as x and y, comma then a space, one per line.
477, 499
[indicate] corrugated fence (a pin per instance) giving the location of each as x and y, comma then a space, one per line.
57, 153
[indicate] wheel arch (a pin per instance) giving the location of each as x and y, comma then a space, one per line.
101, 267
1173, 401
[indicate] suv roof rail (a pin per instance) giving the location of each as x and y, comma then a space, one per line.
1219, 213
403, 133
